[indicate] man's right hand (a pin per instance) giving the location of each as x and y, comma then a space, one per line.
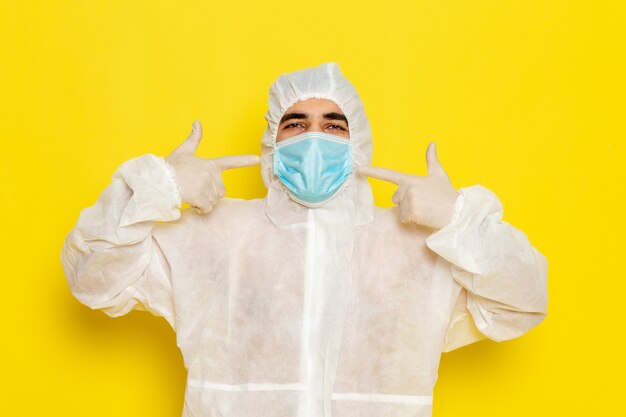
199, 180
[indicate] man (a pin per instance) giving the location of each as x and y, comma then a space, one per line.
312, 301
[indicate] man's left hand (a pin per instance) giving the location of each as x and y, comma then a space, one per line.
425, 200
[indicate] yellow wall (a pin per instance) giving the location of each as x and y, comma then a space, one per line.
523, 97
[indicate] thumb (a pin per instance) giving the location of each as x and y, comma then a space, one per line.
190, 144
432, 161
381, 173
236, 161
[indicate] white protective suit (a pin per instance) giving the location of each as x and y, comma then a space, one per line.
286, 311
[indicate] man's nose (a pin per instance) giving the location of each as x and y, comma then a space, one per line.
315, 127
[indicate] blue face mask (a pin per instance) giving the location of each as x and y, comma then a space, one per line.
313, 166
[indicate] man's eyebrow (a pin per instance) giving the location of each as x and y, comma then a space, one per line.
335, 116
290, 116
329, 116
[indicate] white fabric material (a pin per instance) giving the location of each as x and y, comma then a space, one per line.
286, 311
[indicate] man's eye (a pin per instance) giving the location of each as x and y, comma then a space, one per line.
335, 127
290, 125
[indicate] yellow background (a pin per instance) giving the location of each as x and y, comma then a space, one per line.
523, 97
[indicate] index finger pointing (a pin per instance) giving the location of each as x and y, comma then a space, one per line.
381, 173
236, 161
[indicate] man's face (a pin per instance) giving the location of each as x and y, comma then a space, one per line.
313, 115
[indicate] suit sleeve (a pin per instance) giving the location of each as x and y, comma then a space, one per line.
502, 277
110, 259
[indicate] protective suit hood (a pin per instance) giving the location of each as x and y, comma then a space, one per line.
324, 82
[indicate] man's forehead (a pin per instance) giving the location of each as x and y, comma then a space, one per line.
314, 105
